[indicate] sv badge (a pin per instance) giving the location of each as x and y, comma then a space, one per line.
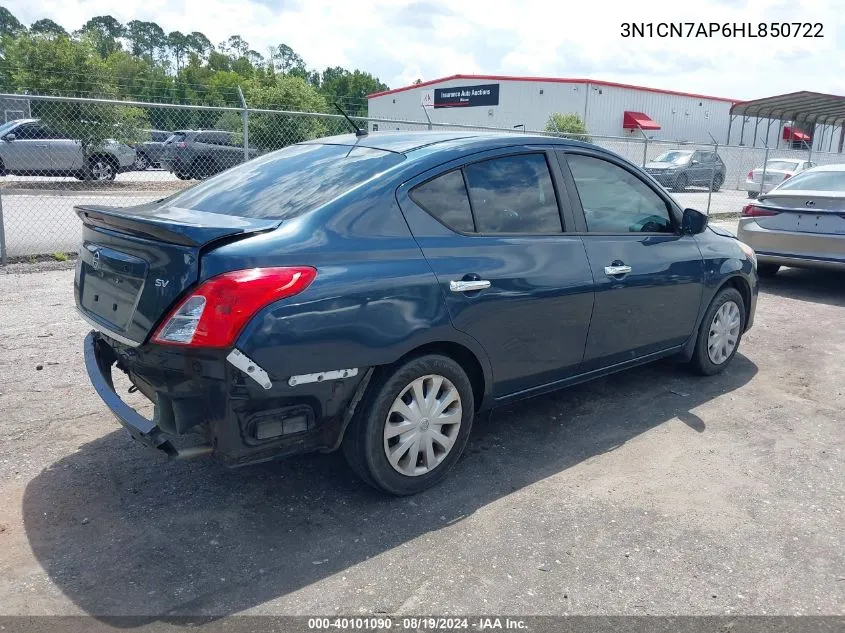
162, 283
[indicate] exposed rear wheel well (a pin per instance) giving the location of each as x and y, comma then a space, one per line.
744, 289
461, 355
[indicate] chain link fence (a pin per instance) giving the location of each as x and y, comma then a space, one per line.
75, 151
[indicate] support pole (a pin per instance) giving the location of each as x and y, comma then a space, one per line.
245, 117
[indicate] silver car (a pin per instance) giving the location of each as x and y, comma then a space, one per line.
30, 148
777, 170
800, 223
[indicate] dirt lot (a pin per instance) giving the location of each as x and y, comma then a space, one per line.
651, 492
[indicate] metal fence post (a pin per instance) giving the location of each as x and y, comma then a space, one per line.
712, 177
2, 235
245, 117
763, 177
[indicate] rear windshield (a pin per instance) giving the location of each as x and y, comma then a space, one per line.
673, 157
816, 181
288, 182
176, 137
785, 165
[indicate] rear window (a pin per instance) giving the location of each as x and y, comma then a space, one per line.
785, 165
288, 182
816, 181
176, 137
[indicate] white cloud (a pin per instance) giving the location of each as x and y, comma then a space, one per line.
399, 40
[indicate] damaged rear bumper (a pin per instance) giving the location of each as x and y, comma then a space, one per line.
245, 420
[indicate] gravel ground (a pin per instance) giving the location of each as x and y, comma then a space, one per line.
650, 492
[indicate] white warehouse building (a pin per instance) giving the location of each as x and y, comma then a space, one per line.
607, 109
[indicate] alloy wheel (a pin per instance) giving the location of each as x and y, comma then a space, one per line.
102, 170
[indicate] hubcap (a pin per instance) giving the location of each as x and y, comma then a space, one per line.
140, 162
422, 425
724, 333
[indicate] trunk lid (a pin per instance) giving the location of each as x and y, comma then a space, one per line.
135, 262
804, 211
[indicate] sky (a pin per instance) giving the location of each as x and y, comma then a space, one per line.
402, 40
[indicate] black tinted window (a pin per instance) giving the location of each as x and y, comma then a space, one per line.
445, 197
615, 200
159, 137
513, 194
288, 182
31, 132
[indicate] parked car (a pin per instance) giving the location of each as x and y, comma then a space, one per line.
148, 153
777, 170
799, 223
679, 169
373, 294
30, 148
199, 154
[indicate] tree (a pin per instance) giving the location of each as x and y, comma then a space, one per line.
47, 27
568, 125
199, 44
417, 81
274, 131
105, 33
350, 89
179, 44
286, 61
235, 47
145, 38
9, 24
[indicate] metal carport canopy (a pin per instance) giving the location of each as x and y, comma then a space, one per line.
799, 107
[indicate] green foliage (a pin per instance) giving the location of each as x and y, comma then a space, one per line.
569, 125
60, 257
139, 61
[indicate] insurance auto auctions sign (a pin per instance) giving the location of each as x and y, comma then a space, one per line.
466, 96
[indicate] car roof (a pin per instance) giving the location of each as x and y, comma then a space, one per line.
840, 167
406, 142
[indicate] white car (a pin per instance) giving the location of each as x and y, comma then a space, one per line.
30, 148
777, 170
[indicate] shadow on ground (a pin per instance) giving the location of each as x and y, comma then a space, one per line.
124, 532
817, 286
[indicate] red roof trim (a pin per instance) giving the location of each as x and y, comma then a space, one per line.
638, 120
560, 80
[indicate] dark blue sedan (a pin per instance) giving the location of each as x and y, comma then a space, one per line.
374, 293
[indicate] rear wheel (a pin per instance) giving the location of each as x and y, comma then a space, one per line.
142, 162
203, 167
720, 333
680, 183
718, 181
181, 175
767, 270
102, 168
412, 426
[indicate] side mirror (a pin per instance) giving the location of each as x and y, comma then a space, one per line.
10, 137
693, 222
694, 162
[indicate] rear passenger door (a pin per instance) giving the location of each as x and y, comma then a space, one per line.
649, 278
493, 231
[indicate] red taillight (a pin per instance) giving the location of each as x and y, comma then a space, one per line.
214, 314
753, 211
751, 175
181, 145
788, 176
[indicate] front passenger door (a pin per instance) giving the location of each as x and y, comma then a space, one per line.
648, 277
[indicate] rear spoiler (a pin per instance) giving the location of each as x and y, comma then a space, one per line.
174, 225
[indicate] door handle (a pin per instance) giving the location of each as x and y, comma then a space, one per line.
468, 286
612, 271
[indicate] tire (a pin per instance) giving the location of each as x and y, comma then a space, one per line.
182, 176
102, 168
753, 194
718, 181
366, 446
142, 162
3, 171
680, 183
767, 270
702, 361
203, 167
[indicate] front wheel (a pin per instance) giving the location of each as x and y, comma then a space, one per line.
680, 183
718, 181
102, 169
719, 333
412, 426
142, 162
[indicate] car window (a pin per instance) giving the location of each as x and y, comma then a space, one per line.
783, 165
674, 156
445, 197
815, 181
175, 137
158, 137
513, 194
286, 183
30, 132
615, 200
